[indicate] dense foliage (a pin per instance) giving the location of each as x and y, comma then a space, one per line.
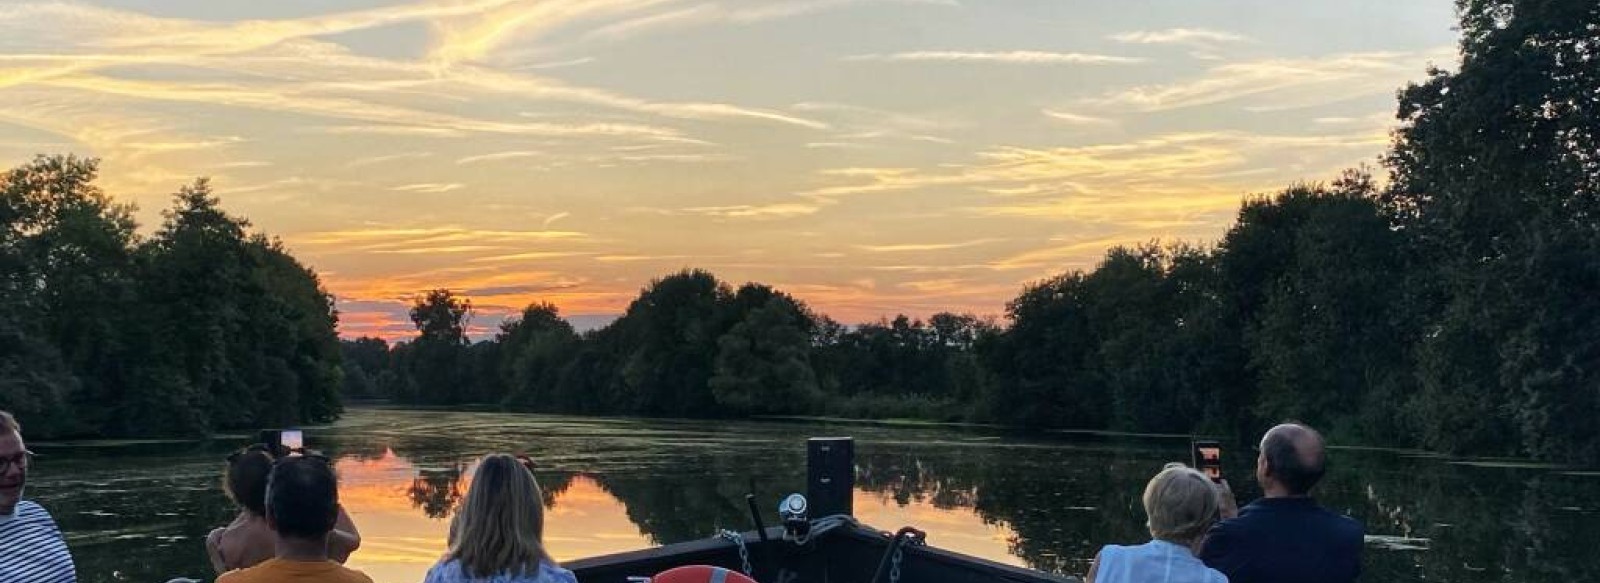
689, 346
200, 327
1455, 306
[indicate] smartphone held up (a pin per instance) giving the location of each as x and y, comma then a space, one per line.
1208, 458
284, 442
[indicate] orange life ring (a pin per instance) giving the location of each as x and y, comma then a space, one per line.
701, 574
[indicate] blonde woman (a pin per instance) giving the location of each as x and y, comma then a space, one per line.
1181, 503
498, 533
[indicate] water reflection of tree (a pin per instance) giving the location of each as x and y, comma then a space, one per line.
436, 492
1059, 505
1466, 524
1062, 502
702, 493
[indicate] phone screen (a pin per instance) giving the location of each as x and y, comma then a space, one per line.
1208, 459
292, 440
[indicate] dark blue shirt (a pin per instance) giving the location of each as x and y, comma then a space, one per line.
1285, 540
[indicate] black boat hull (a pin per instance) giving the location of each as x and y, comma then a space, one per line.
848, 554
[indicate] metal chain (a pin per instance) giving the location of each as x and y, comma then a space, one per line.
744, 552
899, 554
894, 568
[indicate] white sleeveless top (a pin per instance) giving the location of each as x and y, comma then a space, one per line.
1157, 561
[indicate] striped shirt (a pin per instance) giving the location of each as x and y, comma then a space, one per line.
31, 548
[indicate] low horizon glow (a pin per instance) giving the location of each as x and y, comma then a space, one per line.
870, 157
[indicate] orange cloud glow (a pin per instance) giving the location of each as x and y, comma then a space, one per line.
872, 157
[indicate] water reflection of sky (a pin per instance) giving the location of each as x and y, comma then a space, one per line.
400, 541
623, 484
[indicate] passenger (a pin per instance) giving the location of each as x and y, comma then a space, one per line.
31, 547
1181, 504
302, 508
248, 540
498, 534
1286, 536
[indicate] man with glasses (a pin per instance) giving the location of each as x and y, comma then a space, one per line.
31, 547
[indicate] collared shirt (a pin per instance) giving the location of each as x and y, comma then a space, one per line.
286, 571
1157, 561
31, 548
1285, 539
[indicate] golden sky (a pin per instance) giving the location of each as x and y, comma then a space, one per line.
870, 156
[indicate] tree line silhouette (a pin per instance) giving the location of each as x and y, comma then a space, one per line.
1451, 306
199, 327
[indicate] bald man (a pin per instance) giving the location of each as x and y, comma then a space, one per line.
1285, 536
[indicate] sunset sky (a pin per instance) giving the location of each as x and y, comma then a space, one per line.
869, 156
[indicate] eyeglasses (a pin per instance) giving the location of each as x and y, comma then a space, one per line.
21, 461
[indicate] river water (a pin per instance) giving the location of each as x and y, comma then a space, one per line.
139, 511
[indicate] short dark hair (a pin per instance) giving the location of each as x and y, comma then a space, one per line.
246, 480
1286, 463
302, 498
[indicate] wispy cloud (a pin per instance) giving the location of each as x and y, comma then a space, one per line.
436, 250
637, 258
741, 12
683, 158
1077, 253
472, 37
498, 156
766, 211
1077, 119
1187, 36
1003, 57
346, 108
381, 237
293, 71
697, 14
183, 145
243, 164
538, 112
429, 187
531, 255
836, 146
911, 247
557, 64
1173, 177
370, 160
505, 290
1287, 82
856, 124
